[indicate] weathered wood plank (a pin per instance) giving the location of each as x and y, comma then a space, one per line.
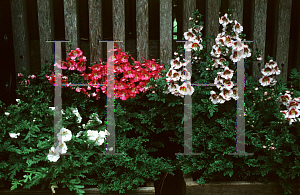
188, 8
119, 22
95, 30
20, 35
165, 31
71, 23
259, 18
46, 30
282, 37
88, 191
142, 29
237, 6
212, 20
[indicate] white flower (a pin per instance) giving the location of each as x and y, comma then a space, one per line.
237, 27
186, 88
99, 141
214, 97
7, 114
227, 73
265, 81
53, 108
175, 63
292, 113
106, 132
268, 71
18, 100
53, 155
14, 135
185, 75
92, 135
64, 135
76, 113
79, 133
62, 148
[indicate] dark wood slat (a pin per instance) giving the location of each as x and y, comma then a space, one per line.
46, 29
142, 29
259, 35
119, 22
165, 31
95, 30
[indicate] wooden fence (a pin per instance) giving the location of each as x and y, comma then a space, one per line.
145, 27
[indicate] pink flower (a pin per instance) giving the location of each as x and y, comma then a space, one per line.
20, 75
264, 146
266, 93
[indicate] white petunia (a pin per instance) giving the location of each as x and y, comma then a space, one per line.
14, 135
99, 141
64, 135
7, 114
79, 133
62, 148
76, 113
92, 135
53, 155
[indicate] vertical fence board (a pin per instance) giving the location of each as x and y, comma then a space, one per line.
142, 30
165, 31
212, 20
119, 22
71, 23
237, 6
298, 53
95, 30
20, 35
259, 34
282, 35
188, 8
46, 29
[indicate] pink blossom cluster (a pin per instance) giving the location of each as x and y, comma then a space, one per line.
27, 82
129, 79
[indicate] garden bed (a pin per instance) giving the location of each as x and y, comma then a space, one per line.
232, 187
147, 189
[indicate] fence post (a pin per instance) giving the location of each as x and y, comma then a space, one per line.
165, 31
118, 18
71, 23
95, 30
237, 6
20, 35
46, 29
259, 28
142, 30
282, 36
212, 20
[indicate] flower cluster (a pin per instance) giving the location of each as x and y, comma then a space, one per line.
27, 81
130, 79
178, 70
271, 69
293, 106
227, 42
65, 135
